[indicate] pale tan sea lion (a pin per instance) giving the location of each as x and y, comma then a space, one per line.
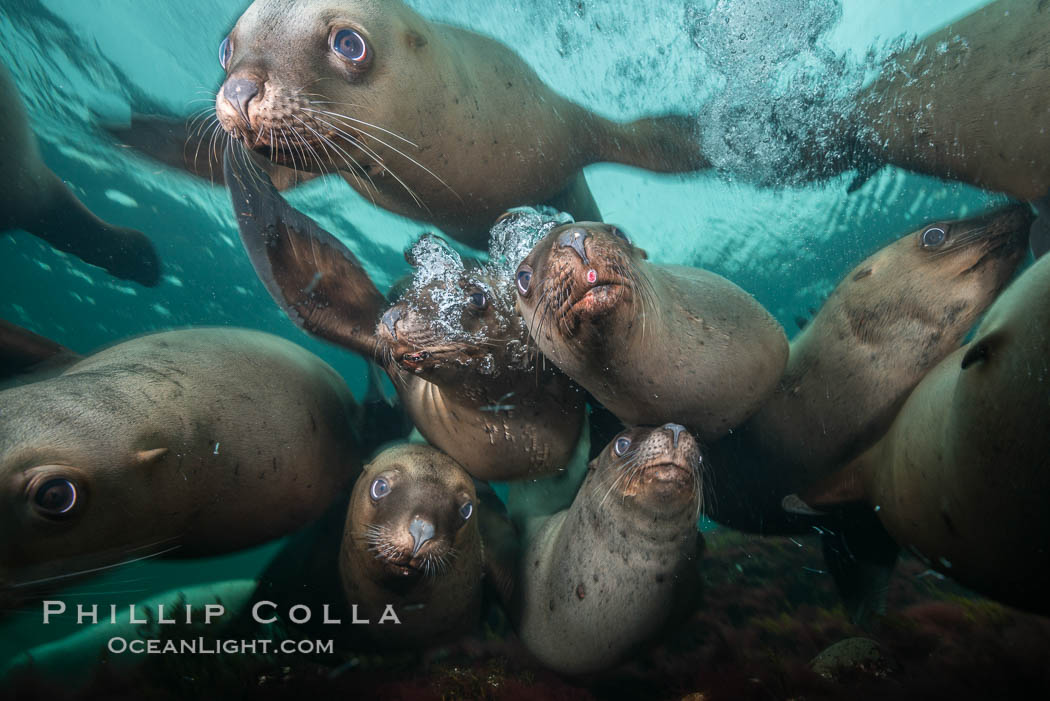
651, 342
609, 574
474, 393
36, 200
429, 120
886, 324
968, 102
962, 476
183, 443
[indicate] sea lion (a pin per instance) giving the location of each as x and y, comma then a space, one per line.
172, 443
427, 120
886, 324
611, 572
963, 473
453, 346
36, 200
411, 542
651, 342
968, 102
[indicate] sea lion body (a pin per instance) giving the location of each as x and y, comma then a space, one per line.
36, 200
651, 342
412, 542
192, 442
608, 574
453, 345
432, 122
969, 102
963, 473
885, 325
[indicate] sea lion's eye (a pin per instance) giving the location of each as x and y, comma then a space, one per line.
225, 53
351, 46
933, 237
478, 300
524, 280
56, 497
623, 443
379, 489
466, 510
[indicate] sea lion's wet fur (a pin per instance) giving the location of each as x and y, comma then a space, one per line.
614, 570
443, 125
963, 473
652, 343
176, 442
436, 593
887, 323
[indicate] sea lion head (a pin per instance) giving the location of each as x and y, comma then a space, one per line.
580, 272
66, 493
655, 471
455, 320
413, 512
939, 278
301, 80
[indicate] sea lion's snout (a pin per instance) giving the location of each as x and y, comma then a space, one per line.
239, 92
390, 319
575, 237
676, 430
422, 532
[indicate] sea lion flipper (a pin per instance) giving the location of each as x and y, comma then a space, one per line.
1039, 237
314, 278
23, 351
186, 144
666, 144
861, 557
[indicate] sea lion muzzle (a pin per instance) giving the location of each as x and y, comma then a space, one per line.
239, 92
574, 238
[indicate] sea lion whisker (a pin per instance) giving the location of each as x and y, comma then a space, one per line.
92, 570
361, 121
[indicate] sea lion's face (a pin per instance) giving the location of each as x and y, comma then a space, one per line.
298, 79
455, 320
579, 274
940, 277
412, 510
657, 471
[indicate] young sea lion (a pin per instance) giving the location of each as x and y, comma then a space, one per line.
886, 324
427, 120
611, 572
188, 443
963, 473
651, 342
36, 200
454, 347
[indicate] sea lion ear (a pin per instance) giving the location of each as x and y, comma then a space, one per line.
312, 276
148, 457
981, 350
415, 40
642, 253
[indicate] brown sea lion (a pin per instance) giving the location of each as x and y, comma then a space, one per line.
651, 342
428, 120
963, 474
36, 200
887, 323
188, 443
411, 543
610, 573
454, 347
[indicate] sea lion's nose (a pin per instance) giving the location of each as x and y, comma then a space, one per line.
239, 92
676, 430
390, 319
574, 238
421, 531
